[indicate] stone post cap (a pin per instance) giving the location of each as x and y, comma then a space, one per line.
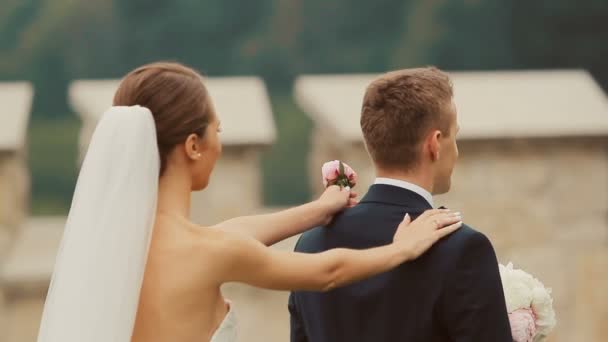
16, 99
491, 105
242, 104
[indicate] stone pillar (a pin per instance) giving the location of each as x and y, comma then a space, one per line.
15, 185
235, 188
16, 98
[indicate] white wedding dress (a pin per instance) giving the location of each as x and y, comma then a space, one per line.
99, 268
226, 332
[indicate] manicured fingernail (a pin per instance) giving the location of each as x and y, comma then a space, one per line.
406, 215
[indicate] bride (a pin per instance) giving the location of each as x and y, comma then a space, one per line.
133, 267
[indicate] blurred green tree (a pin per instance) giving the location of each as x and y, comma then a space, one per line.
51, 42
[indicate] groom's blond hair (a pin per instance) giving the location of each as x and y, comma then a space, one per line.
399, 109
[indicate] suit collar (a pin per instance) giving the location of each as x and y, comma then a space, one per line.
393, 195
407, 185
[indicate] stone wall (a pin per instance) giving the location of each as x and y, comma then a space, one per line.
14, 194
544, 205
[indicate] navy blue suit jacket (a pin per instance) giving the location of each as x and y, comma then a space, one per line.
451, 293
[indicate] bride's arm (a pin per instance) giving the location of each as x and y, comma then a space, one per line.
272, 228
250, 262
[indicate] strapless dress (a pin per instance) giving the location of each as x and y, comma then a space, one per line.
226, 332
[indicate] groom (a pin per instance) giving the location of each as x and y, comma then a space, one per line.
452, 293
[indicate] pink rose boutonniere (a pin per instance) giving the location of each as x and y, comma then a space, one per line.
338, 173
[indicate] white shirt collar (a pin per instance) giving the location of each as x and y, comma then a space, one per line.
407, 185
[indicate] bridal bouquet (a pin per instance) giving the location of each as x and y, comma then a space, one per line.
338, 173
529, 304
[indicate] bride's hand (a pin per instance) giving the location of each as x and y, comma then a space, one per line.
334, 199
418, 236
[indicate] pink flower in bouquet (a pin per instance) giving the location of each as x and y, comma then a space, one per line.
523, 326
529, 304
336, 172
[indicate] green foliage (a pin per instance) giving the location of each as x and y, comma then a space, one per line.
476, 35
51, 42
285, 165
205, 34
52, 159
347, 35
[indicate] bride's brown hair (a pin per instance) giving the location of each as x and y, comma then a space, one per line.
177, 98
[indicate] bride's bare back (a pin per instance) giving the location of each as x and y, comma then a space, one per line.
180, 298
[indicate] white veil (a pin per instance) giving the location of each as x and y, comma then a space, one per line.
94, 292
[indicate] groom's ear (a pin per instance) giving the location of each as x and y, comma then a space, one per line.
433, 143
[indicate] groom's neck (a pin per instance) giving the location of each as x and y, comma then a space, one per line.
422, 178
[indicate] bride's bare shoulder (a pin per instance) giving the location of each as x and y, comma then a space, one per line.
219, 241
200, 243
197, 243
202, 240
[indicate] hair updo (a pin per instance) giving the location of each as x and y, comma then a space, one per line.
177, 98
